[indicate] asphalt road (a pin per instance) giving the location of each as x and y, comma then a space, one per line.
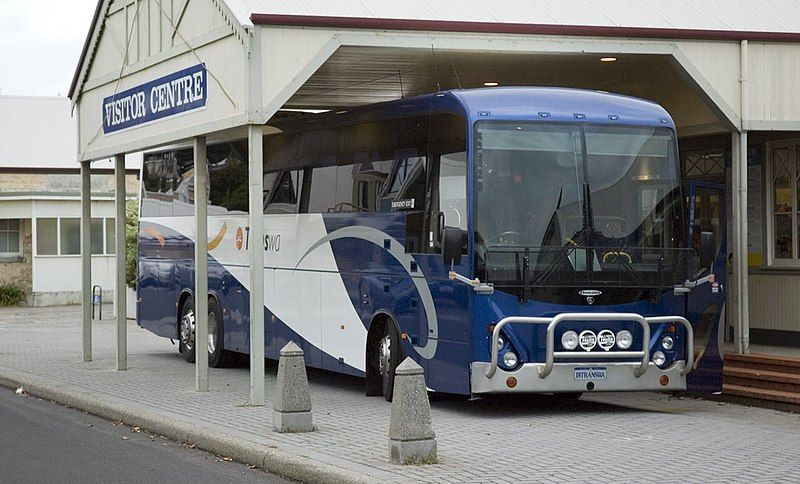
42, 441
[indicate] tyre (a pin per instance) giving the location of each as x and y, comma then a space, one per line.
218, 356
389, 357
186, 330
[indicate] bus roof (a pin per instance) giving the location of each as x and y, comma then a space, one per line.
560, 104
503, 103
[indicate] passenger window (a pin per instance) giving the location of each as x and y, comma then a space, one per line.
283, 197
227, 178
323, 190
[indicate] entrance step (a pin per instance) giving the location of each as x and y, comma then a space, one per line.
756, 397
762, 380
760, 361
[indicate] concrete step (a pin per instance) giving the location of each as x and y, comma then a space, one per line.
763, 362
761, 379
757, 397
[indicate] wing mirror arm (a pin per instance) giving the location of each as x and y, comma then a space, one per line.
454, 241
708, 252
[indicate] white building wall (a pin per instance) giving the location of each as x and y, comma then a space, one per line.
56, 278
773, 76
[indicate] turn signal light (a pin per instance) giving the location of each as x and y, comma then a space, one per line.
491, 328
672, 328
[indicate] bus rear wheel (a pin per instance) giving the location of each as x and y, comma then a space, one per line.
218, 356
389, 354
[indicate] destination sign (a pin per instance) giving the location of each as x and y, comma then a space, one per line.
176, 93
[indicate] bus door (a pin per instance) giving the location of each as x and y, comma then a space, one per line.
705, 304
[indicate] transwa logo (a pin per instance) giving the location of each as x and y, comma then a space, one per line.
239, 239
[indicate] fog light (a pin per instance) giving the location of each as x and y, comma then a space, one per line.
624, 339
587, 340
659, 358
510, 359
667, 343
569, 340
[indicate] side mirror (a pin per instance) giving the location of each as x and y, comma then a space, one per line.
708, 249
452, 245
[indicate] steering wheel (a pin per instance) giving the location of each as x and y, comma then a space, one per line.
504, 238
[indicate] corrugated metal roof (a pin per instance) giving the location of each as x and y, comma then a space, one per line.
40, 132
725, 15
37, 132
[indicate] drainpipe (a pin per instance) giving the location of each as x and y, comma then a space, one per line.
743, 306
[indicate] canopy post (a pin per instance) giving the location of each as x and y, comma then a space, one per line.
201, 264
120, 301
86, 259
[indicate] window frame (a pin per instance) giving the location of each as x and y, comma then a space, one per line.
20, 252
769, 208
35, 237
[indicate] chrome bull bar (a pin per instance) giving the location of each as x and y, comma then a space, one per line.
552, 355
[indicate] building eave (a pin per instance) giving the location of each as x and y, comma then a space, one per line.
519, 28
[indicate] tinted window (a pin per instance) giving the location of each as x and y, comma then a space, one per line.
159, 171
446, 183
228, 175
284, 194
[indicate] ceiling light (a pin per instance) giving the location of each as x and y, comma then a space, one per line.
491, 84
303, 110
608, 59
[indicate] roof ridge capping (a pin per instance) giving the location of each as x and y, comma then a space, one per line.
378, 23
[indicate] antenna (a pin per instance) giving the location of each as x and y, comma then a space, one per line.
455, 71
435, 69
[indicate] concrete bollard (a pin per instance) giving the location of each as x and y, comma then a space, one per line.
411, 436
291, 409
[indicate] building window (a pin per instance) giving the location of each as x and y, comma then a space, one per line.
70, 236
46, 236
783, 206
10, 243
62, 236
703, 164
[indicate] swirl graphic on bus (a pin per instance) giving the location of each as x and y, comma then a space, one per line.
397, 251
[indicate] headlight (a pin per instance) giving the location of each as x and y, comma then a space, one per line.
667, 343
569, 340
500, 342
510, 359
659, 358
624, 339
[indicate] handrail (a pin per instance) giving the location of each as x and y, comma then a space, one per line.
551, 354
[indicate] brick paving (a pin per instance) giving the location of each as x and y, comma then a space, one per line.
625, 437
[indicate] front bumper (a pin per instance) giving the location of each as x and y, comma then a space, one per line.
619, 377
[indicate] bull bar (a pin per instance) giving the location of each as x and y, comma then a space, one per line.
551, 355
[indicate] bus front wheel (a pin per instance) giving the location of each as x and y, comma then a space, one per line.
186, 330
389, 354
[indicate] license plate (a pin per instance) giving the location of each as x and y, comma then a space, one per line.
593, 373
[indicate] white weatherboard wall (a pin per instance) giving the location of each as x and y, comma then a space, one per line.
205, 35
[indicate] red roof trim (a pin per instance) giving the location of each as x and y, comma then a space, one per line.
517, 28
